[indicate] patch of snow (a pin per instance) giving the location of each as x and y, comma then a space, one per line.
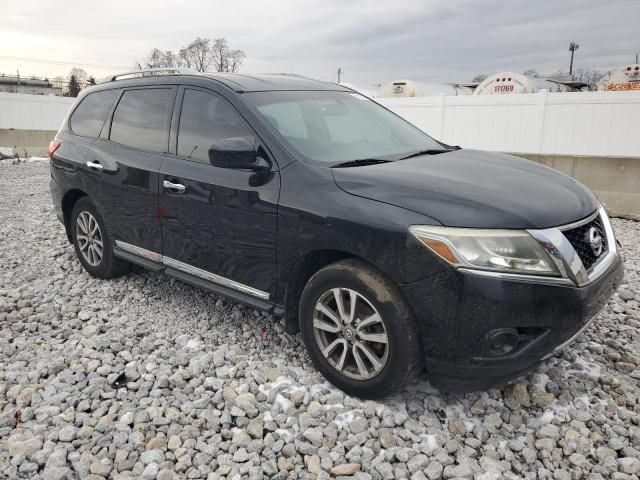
194, 344
282, 402
7, 152
279, 382
432, 444
345, 418
546, 417
559, 411
591, 368
286, 435
13, 160
541, 382
461, 411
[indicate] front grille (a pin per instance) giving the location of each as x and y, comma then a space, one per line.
579, 239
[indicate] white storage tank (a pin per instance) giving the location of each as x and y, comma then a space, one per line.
409, 88
621, 79
505, 83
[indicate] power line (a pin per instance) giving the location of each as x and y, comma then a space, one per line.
59, 62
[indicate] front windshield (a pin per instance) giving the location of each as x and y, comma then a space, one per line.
334, 127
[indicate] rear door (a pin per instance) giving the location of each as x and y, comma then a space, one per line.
218, 224
124, 164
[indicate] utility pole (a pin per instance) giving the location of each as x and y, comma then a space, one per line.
573, 46
636, 58
339, 73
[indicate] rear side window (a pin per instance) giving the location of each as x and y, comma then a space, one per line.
89, 117
141, 119
204, 120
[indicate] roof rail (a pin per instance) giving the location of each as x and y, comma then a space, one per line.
288, 75
150, 72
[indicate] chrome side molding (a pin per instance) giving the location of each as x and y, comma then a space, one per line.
141, 252
212, 277
190, 269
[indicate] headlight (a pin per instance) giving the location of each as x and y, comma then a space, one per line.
512, 251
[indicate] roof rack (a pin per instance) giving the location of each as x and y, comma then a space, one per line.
287, 74
150, 72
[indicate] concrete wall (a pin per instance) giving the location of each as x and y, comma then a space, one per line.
29, 122
34, 142
32, 112
615, 180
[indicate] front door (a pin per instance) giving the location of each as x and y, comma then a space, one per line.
219, 224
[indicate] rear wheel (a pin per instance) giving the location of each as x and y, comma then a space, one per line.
92, 242
359, 330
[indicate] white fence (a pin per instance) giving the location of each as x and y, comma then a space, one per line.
589, 123
32, 112
593, 123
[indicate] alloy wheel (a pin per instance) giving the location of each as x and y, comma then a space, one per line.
89, 238
350, 333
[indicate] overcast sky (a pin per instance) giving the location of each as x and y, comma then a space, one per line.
429, 40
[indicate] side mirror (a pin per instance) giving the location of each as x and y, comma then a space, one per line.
235, 153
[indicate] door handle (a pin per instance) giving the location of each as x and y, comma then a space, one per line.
95, 165
174, 187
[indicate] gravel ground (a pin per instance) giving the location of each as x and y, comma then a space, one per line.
214, 389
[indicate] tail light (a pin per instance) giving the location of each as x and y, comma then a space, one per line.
53, 146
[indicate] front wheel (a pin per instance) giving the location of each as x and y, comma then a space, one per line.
359, 330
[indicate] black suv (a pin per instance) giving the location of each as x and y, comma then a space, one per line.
390, 251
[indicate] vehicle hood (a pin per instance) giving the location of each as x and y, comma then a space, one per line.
471, 188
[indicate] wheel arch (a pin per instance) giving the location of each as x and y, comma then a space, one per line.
302, 270
68, 201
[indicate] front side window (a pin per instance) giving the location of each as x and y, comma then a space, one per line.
141, 119
204, 120
333, 127
90, 115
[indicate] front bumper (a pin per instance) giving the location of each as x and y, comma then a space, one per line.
457, 310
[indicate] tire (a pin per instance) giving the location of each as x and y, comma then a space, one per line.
399, 360
105, 265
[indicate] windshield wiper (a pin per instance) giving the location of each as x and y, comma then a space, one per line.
360, 163
431, 151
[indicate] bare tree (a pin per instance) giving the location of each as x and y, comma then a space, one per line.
59, 82
220, 54
590, 76
531, 72
74, 86
159, 59
76, 81
479, 78
202, 54
198, 54
154, 58
80, 75
170, 59
236, 57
